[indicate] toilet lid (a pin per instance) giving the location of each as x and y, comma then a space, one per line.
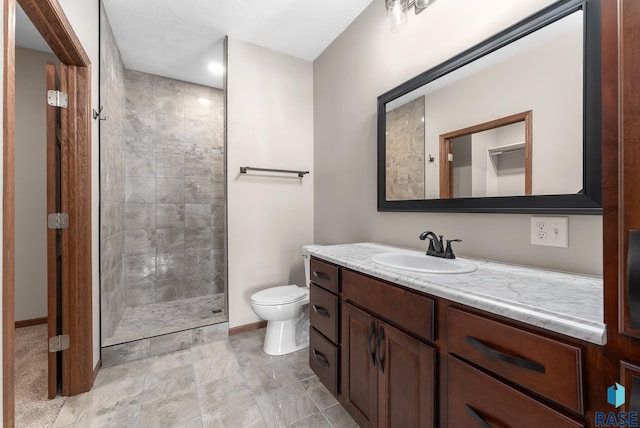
280, 295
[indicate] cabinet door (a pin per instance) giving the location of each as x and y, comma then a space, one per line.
359, 373
406, 383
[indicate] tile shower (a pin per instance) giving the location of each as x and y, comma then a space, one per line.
163, 208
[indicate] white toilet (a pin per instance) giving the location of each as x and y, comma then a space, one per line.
286, 309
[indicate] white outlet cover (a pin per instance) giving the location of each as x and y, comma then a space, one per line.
550, 231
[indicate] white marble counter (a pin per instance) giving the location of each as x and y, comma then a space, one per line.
565, 303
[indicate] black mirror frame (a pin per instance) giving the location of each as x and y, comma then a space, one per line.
589, 201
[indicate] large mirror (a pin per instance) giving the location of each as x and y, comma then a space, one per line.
511, 125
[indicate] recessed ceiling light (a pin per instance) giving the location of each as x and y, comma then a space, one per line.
216, 68
204, 101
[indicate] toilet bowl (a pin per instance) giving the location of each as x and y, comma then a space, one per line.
286, 310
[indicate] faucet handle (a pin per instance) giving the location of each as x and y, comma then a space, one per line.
448, 252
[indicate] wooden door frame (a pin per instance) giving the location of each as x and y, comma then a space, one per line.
446, 172
48, 17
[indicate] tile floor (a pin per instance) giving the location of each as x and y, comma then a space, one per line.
154, 319
228, 383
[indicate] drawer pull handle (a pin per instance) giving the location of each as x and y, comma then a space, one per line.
510, 359
479, 419
372, 330
378, 353
633, 279
321, 358
321, 311
321, 275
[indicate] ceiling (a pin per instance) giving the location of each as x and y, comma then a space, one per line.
180, 39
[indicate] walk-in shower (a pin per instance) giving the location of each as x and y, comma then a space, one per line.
162, 217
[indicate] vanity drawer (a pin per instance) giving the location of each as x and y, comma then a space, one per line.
407, 310
323, 359
550, 368
323, 312
478, 400
324, 275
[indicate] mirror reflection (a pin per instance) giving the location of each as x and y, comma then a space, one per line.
507, 124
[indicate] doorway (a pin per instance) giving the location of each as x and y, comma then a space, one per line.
77, 360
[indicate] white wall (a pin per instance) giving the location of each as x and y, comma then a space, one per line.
367, 60
269, 125
84, 18
31, 184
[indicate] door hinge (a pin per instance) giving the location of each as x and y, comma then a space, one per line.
58, 221
57, 98
59, 343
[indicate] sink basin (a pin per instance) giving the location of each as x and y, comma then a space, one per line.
419, 262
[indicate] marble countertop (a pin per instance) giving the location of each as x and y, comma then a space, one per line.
565, 303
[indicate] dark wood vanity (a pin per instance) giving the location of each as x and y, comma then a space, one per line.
397, 357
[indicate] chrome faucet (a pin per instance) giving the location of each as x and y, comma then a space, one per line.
436, 245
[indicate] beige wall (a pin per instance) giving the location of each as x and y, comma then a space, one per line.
368, 60
269, 125
31, 184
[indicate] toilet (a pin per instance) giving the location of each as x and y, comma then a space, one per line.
286, 310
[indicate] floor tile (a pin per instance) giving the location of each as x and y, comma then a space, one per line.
170, 361
247, 340
339, 418
227, 383
168, 383
211, 369
220, 349
244, 415
170, 411
111, 397
319, 394
314, 421
264, 377
117, 373
285, 406
223, 393
127, 418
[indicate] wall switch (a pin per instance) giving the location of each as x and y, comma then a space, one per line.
551, 231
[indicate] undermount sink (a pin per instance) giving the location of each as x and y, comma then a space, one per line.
419, 262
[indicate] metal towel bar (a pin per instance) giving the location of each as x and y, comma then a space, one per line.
245, 169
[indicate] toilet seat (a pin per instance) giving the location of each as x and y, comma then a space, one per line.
280, 295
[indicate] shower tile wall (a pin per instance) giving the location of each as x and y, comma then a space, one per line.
174, 239
112, 180
405, 151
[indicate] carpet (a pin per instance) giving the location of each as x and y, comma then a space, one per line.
33, 408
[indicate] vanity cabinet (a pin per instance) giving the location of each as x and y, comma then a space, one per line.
388, 374
546, 367
324, 323
397, 357
475, 399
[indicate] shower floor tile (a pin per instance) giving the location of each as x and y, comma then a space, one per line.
144, 321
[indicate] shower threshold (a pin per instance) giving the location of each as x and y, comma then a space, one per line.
156, 319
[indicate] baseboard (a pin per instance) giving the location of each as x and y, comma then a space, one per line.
247, 327
34, 321
96, 370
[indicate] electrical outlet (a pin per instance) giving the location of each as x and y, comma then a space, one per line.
551, 231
